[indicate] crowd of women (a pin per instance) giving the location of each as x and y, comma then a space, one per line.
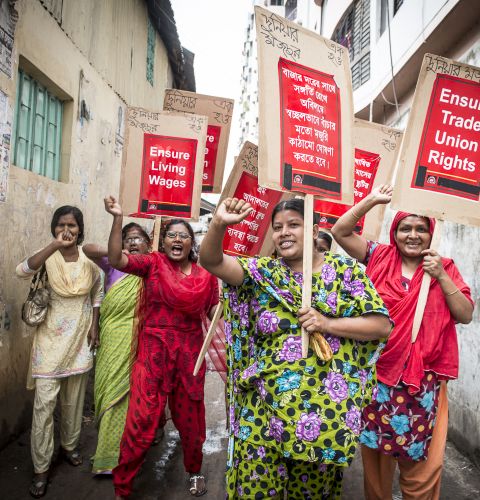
294, 423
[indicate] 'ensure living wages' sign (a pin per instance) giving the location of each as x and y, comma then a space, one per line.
449, 156
163, 164
167, 175
439, 168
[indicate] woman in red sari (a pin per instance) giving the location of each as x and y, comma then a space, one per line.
177, 297
407, 424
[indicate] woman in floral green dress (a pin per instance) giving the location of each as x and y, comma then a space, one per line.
294, 423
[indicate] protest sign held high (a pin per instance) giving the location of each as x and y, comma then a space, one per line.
305, 121
439, 168
163, 164
219, 112
306, 110
253, 235
376, 151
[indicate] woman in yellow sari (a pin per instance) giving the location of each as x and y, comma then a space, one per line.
113, 362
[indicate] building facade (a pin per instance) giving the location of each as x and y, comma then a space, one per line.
68, 71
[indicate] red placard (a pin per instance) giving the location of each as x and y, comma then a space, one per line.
247, 237
210, 162
168, 172
448, 159
310, 130
366, 166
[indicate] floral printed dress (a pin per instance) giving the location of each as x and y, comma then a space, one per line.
401, 424
307, 409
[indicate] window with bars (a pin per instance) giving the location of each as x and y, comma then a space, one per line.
150, 50
37, 134
353, 32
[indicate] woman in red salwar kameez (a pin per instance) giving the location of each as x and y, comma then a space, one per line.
177, 296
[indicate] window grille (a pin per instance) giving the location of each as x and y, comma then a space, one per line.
37, 132
353, 32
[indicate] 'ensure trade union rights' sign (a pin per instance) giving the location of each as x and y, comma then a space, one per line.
449, 156
163, 164
439, 169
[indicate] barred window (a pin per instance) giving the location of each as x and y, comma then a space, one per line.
353, 32
37, 133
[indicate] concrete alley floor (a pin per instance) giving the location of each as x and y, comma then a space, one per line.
163, 476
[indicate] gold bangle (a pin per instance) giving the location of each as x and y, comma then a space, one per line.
452, 293
358, 217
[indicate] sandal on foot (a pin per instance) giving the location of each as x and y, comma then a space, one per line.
197, 485
38, 488
72, 457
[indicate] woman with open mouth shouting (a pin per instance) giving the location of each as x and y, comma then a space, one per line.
293, 423
177, 296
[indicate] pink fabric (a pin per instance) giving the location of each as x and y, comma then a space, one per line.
436, 348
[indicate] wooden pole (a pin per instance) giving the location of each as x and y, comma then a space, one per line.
307, 264
425, 286
208, 337
157, 228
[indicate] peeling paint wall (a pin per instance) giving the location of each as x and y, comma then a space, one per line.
93, 52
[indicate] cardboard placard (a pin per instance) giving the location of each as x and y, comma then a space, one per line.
219, 112
376, 152
253, 236
162, 164
439, 168
306, 110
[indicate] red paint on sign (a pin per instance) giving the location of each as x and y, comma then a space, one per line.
210, 162
448, 160
247, 238
366, 166
310, 130
168, 172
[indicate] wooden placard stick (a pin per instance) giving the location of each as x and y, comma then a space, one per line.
157, 229
425, 286
307, 264
208, 337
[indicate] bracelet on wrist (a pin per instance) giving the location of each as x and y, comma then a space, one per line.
452, 293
